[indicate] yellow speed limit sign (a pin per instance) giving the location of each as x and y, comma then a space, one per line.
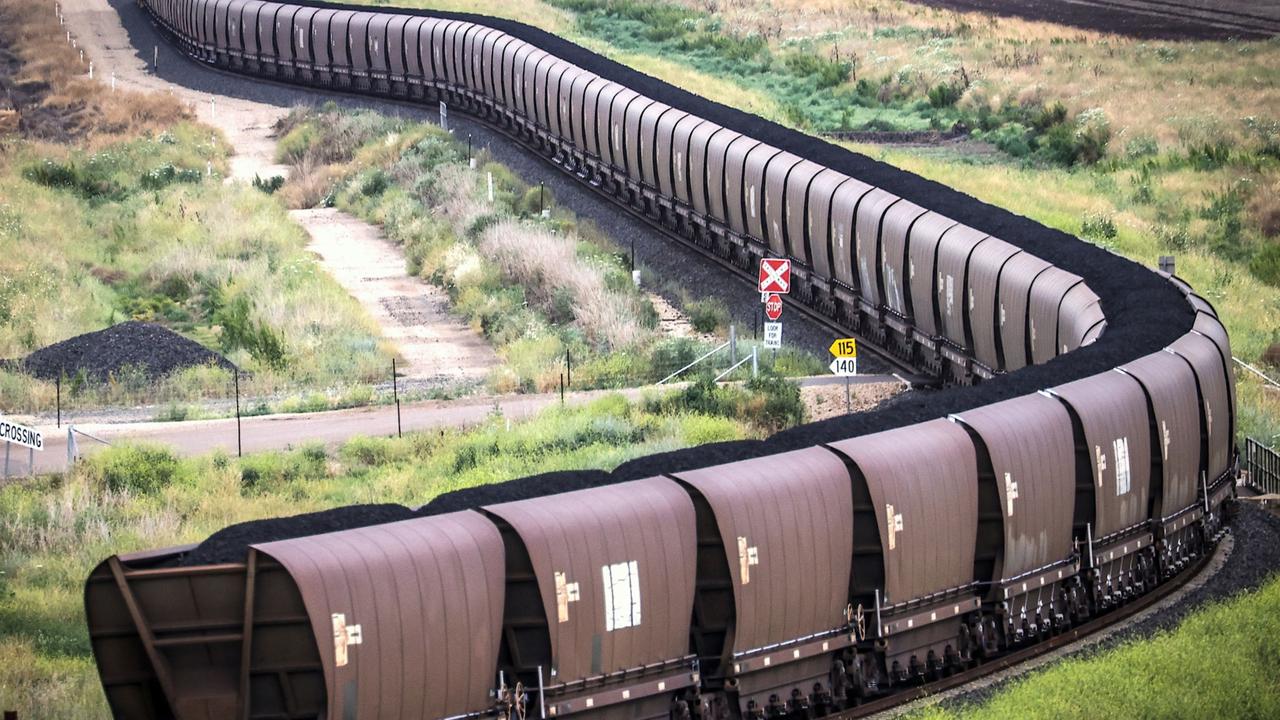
844, 348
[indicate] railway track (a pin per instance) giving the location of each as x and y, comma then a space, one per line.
1012, 660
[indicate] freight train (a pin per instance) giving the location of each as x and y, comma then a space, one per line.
794, 582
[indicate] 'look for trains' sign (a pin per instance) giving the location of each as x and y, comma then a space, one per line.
21, 435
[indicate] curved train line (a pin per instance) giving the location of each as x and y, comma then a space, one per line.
1085, 467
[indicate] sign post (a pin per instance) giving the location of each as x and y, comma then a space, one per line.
444, 116
845, 365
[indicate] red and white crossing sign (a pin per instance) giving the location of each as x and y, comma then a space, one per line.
773, 306
775, 275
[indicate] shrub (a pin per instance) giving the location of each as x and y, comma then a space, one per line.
1012, 138
707, 315
945, 95
136, 468
1265, 264
1098, 226
825, 73
270, 185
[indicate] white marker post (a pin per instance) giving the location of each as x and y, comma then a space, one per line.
444, 116
490, 188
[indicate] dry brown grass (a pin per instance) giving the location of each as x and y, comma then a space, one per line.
309, 184
59, 100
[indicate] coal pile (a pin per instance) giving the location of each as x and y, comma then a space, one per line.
154, 349
561, 481
229, 544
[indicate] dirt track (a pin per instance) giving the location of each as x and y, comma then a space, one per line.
1152, 19
432, 343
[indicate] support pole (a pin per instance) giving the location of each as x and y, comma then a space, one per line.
755, 362
562, 388
58, 383
395, 393
239, 442
542, 187
848, 399
568, 366
7, 447
155, 58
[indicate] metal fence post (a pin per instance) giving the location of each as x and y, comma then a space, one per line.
395, 393
568, 367
733, 344
239, 443
58, 383
562, 388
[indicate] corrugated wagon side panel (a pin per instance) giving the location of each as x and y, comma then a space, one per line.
786, 525
923, 483
1165, 378
1029, 442
988, 260
1112, 411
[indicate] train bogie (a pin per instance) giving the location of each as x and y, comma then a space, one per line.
1113, 480
1026, 487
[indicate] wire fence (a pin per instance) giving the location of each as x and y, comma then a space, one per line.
207, 393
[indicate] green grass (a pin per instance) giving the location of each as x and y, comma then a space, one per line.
553, 294
1221, 662
145, 229
55, 529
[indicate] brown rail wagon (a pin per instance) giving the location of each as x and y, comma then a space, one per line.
312, 627
600, 593
915, 531
775, 541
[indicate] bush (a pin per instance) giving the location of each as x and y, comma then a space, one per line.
270, 185
136, 468
707, 315
1098, 226
945, 95
1265, 264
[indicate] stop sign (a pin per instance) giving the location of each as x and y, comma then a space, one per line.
773, 306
